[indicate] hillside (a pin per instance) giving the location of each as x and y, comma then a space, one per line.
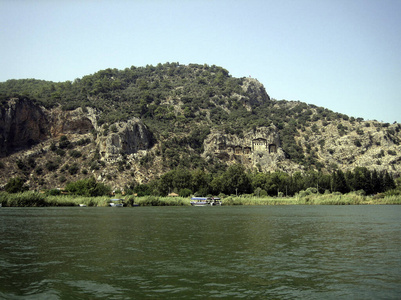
126, 127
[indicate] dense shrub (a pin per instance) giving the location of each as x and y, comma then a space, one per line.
15, 185
52, 165
185, 193
88, 187
26, 199
73, 169
75, 153
64, 142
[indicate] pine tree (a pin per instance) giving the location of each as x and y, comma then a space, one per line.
339, 182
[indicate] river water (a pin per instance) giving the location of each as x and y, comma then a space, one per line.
262, 252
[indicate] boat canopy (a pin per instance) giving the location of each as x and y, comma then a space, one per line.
116, 199
198, 198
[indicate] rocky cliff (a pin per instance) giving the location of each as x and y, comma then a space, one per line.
67, 122
125, 138
22, 124
51, 146
361, 144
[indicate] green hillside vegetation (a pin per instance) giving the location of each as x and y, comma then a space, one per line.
187, 101
182, 105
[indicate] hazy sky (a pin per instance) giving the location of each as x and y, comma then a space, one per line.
344, 55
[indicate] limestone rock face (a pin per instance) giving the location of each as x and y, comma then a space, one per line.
64, 122
256, 90
361, 146
125, 137
259, 148
22, 124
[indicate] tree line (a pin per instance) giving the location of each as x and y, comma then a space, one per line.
236, 180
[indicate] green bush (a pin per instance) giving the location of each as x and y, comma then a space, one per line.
73, 169
54, 192
64, 142
157, 201
391, 152
75, 153
60, 152
393, 192
88, 187
151, 201
26, 199
51, 165
185, 193
39, 170
22, 165
15, 185
130, 201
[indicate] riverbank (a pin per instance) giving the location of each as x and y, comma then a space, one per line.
32, 199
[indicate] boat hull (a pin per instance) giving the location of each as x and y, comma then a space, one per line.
199, 204
205, 203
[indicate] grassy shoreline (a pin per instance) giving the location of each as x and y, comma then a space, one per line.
32, 199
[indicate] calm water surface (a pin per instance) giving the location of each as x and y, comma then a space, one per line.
269, 252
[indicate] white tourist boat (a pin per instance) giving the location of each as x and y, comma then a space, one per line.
116, 202
205, 201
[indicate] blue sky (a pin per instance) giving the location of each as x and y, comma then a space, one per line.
340, 54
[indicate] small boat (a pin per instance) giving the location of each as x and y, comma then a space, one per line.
205, 201
116, 202
82, 205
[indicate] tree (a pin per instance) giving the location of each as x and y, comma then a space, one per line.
216, 185
142, 190
388, 181
376, 182
182, 179
361, 180
279, 183
15, 185
339, 182
166, 183
185, 193
235, 180
261, 181
200, 181
88, 187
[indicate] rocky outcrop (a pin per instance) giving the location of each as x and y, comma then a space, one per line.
22, 124
364, 144
256, 91
125, 138
75, 121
